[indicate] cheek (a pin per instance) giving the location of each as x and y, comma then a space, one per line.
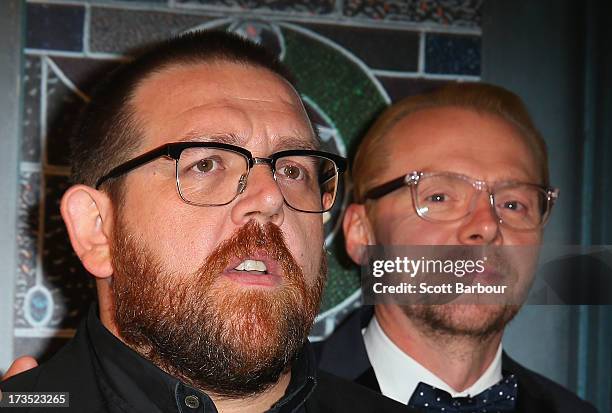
396, 223
521, 238
191, 238
304, 237
181, 236
416, 231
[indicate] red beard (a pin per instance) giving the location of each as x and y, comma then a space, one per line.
221, 339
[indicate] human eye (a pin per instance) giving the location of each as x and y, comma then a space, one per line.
438, 197
294, 172
296, 169
206, 165
517, 200
514, 205
439, 194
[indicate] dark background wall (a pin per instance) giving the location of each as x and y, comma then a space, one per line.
352, 57
556, 55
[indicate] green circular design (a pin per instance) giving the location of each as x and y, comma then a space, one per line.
343, 91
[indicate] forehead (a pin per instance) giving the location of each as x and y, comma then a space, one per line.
254, 105
483, 146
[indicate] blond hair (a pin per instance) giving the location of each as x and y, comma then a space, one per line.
479, 97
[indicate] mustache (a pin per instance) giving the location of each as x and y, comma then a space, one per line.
497, 258
247, 241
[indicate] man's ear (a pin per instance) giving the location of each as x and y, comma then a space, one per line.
88, 217
357, 232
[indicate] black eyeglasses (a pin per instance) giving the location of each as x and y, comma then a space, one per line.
446, 196
214, 174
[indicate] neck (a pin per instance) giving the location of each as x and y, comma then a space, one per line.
457, 360
254, 404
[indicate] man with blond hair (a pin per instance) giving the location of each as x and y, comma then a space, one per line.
461, 166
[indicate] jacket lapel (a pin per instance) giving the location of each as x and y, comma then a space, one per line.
344, 352
368, 379
531, 398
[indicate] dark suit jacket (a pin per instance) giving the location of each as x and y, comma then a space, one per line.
344, 354
75, 369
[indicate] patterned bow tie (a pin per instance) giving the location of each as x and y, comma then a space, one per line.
498, 398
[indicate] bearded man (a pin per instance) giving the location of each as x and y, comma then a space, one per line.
197, 208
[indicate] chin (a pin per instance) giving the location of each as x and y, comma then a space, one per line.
477, 321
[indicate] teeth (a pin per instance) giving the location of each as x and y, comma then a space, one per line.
251, 265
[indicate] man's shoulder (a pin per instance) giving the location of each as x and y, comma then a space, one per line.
52, 375
543, 389
343, 353
69, 370
26, 381
334, 394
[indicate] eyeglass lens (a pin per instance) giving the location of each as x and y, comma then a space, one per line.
211, 176
448, 198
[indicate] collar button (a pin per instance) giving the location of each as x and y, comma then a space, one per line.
192, 402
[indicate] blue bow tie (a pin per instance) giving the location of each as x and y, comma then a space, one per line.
498, 398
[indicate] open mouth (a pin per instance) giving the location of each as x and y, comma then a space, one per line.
258, 270
252, 266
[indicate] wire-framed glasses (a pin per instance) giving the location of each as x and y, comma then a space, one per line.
214, 174
446, 197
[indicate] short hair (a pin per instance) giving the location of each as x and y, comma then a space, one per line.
107, 133
478, 97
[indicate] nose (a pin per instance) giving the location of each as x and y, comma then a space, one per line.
481, 227
261, 199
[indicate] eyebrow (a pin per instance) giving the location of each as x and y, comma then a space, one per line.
295, 142
198, 136
278, 142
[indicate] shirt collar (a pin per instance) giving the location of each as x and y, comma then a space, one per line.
145, 387
398, 374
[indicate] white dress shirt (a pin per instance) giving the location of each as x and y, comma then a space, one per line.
398, 374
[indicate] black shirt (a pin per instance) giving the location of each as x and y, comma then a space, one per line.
102, 374
142, 387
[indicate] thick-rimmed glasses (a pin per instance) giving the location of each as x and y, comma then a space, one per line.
214, 174
446, 197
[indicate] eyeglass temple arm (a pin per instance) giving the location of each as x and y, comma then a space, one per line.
340, 166
384, 189
133, 164
327, 176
